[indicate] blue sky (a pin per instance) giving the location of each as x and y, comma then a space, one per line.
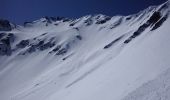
19, 11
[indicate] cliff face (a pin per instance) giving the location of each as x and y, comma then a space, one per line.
5, 25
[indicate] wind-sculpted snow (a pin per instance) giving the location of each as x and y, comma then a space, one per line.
95, 57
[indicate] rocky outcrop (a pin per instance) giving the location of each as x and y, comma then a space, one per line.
54, 19
60, 50
113, 42
137, 33
5, 25
102, 21
155, 20
159, 23
88, 21
41, 46
79, 37
23, 44
5, 43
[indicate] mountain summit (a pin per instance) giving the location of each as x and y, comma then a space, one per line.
95, 57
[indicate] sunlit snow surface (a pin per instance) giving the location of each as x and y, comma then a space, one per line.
94, 60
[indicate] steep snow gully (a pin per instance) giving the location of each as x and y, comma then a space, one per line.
95, 57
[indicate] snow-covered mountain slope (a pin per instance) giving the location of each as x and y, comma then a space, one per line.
91, 58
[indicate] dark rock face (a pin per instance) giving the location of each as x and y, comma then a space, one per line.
40, 43
5, 43
153, 20
5, 25
11, 37
45, 46
88, 22
2, 35
31, 49
128, 18
23, 44
103, 20
43, 34
66, 20
79, 37
113, 42
36, 45
5, 49
50, 19
67, 56
57, 48
54, 19
40, 46
8, 39
73, 23
159, 23
137, 33
62, 51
